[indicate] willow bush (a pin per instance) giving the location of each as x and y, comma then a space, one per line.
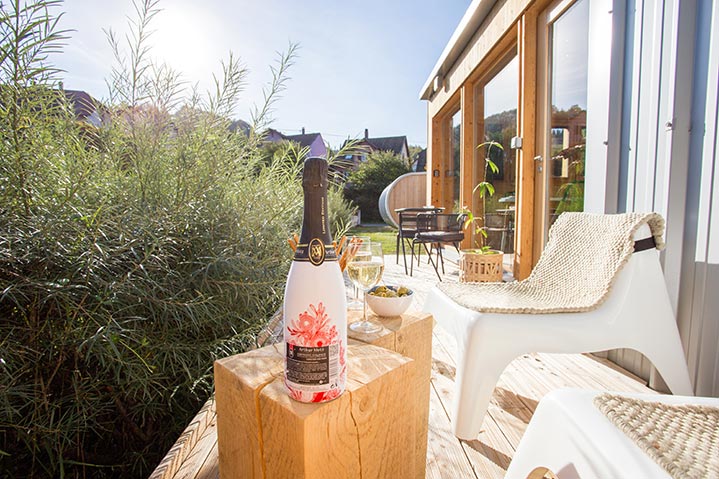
131, 255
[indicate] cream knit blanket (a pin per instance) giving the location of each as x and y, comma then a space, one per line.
584, 253
682, 439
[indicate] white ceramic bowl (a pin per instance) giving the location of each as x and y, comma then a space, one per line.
389, 306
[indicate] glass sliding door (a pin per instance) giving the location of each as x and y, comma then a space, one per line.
498, 112
562, 125
455, 160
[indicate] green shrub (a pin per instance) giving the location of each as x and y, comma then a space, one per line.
366, 184
131, 256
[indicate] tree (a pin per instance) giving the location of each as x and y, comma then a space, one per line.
366, 184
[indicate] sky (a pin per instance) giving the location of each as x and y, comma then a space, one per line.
570, 58
360, 64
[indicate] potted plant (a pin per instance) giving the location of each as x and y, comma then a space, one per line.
481, 264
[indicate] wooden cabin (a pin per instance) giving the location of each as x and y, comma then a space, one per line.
598, 105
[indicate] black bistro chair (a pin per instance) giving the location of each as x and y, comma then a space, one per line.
408, 228
436, 230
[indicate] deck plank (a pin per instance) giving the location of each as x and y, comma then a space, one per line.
445, 456
211, 467
183, 447
490, 453
200, 455
443, 372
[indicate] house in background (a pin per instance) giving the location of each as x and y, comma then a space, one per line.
86, 108
599, 105
366, 145
240, 126
313, 141
396, 144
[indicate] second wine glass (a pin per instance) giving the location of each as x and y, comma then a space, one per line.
357, 245
366, 271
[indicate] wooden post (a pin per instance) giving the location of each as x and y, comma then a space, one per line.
435, 161
369, 431
409, 335
526, 128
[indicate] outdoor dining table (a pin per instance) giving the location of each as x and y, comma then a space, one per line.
420, 209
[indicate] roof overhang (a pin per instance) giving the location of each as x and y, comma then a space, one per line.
472, 19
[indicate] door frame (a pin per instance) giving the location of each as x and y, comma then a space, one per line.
599, 81
501, 58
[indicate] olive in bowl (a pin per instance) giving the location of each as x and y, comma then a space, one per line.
389, 300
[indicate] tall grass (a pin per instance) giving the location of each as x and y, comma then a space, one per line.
131, 255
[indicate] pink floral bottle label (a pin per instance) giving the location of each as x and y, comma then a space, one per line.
315, 357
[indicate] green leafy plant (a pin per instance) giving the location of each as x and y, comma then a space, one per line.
485, 189
131, 255
571, 193
366, 184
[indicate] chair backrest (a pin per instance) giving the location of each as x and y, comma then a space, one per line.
493, 220
576, 270
452, 222
408, 222
426, 222
585, 252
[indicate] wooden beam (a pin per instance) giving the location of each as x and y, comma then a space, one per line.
526, 129
434, 162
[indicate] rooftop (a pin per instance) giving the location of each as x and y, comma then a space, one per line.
390, 143
304, 139
472, 19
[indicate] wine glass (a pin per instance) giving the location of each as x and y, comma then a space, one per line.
357, 245
365, 271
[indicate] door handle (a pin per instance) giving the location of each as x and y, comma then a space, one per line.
538, 158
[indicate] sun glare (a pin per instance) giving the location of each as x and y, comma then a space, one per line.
181, 40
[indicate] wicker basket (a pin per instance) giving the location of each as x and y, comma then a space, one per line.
478, 267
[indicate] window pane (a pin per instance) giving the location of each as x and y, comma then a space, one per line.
500, 125
570, 44
456, 160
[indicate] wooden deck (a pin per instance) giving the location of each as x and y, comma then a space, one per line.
522, 385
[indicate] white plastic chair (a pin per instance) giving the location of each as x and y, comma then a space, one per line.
572, 438
637, 315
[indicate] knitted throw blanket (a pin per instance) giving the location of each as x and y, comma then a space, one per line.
584, 253
683, 440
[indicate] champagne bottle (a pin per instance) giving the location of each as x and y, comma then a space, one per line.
315, 307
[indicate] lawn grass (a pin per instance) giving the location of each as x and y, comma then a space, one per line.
383, 234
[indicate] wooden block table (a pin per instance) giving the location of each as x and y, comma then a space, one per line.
409, 335
368, 432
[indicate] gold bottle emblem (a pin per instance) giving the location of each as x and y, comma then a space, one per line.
317, 251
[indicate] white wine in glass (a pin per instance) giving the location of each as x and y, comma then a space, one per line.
365, 270
365, 273
358, 246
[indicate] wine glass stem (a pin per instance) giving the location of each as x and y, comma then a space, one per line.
364, 305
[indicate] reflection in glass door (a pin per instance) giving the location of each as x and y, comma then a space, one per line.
455, 162
499, 113
565, 124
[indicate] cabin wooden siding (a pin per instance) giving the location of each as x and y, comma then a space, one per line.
662, 142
